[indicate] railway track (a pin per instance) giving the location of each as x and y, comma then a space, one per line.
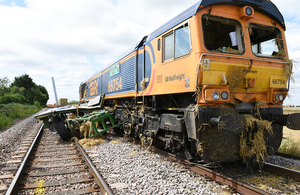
222, 179
208, 173
10, 168
287, 156
53, 167
282, 171
59, 168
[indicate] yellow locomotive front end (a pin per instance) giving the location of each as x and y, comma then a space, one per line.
242, 79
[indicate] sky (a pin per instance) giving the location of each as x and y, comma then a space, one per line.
72, 39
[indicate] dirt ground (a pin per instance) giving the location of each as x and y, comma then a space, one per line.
287, 133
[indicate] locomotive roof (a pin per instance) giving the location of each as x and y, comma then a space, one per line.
264, 6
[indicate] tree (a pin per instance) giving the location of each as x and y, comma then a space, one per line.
40, 94
32, 92
17, 90
26, 82
23, 81
4, 85
44, 91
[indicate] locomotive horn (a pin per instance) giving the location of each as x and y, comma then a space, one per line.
291, 121
230, 123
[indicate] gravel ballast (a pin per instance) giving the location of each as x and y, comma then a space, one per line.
130, 169
11, 138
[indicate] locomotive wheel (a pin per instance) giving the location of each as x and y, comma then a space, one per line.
53, 121
52, 127
62, 131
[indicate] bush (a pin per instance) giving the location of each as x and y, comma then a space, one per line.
73, 102
12, 98
37, 104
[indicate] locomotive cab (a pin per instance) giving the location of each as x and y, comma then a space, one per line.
243, 75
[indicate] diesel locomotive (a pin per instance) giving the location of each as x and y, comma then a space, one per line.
207, 85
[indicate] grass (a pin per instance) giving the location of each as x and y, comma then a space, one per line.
10, 112
290, 146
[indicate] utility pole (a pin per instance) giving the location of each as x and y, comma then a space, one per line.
55, 94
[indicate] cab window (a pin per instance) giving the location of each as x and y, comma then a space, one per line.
266, 41
222, 35
177, 43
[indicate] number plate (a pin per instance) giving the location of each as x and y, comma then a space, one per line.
278, 81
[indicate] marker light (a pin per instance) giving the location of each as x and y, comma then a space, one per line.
249, 11
224, 95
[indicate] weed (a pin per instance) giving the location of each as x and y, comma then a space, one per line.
290, 146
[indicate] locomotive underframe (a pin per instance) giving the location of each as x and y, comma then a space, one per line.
187, 130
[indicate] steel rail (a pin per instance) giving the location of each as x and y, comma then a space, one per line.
222, 179
287, 156
104, 188
279, 170
14, 185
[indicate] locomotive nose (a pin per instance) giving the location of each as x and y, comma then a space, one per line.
230, 123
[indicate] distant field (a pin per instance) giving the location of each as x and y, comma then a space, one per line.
289, 110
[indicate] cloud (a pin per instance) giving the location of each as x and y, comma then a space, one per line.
289, 9
72, 39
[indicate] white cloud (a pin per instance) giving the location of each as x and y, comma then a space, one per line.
72, 39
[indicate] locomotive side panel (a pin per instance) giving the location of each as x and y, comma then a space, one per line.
119, 78
174, 68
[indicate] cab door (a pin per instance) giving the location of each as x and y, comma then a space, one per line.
140, 67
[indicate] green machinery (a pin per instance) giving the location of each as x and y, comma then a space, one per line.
105, 118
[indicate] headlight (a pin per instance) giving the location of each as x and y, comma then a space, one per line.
280, 97
216, 95
224, 95
276, 97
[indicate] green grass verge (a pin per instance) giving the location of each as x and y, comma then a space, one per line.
10, 112
290, 146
